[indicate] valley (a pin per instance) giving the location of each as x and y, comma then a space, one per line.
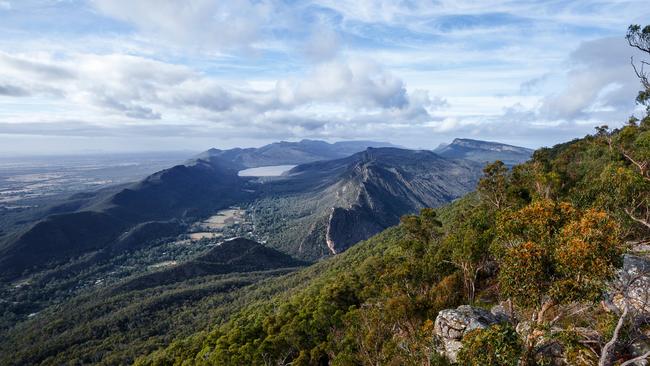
224, 224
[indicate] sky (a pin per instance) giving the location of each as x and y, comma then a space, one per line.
81, 76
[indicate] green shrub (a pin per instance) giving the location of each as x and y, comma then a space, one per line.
497, 345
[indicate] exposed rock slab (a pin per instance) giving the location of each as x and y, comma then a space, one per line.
634, 279
452, 324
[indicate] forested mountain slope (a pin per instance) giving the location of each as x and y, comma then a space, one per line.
371, 190
93, 222
114, 324
568, 213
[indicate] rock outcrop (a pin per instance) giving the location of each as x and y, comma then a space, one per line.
634, 281
452, 324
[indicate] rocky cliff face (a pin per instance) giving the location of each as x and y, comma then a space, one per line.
634, 279
378, 186
391, 184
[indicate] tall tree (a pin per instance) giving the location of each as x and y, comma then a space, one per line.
492, 187
467, 245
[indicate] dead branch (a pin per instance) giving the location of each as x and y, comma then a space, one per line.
643, 222
606, 353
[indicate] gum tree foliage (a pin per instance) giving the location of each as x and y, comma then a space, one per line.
633, 141
626, 178
551, 253
422, 269
424, 229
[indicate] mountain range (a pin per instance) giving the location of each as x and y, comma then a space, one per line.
318, 208
291, 153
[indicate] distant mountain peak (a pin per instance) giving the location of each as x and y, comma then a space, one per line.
484, 151
483, 144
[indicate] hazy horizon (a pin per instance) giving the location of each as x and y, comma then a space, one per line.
189, 152
110, 76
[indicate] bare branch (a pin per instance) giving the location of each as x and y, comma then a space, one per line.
632, 361
641, 165
606, 353
630, 213
637, 45
640, 73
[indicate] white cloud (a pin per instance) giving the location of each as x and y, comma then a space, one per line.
600, 83
357, 82
144, 89
323, 43
202, 23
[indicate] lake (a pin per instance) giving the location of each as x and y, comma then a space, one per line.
265, 171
